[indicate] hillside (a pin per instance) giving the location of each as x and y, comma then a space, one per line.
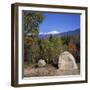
69, 33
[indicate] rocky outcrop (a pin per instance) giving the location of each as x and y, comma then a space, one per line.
41, 63
67, 61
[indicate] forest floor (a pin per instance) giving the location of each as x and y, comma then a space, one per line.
48, 70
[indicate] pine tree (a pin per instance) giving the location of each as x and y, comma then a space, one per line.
32, 20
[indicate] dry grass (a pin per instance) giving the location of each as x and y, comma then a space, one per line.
31, 70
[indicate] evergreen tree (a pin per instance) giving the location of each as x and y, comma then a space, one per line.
32, 20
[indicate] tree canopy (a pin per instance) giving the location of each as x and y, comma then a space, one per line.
31, 20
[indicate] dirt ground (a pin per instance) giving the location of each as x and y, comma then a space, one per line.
49, 70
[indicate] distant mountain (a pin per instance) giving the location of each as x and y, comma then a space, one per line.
69, 33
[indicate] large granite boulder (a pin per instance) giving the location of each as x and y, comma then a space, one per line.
67, 61
41, 63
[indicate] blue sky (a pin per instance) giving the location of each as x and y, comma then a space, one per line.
57, 23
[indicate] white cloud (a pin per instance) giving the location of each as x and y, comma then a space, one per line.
52, 32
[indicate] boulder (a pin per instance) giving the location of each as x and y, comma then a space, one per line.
41, 63
67, 61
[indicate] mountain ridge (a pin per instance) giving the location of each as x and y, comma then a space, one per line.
69, 33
